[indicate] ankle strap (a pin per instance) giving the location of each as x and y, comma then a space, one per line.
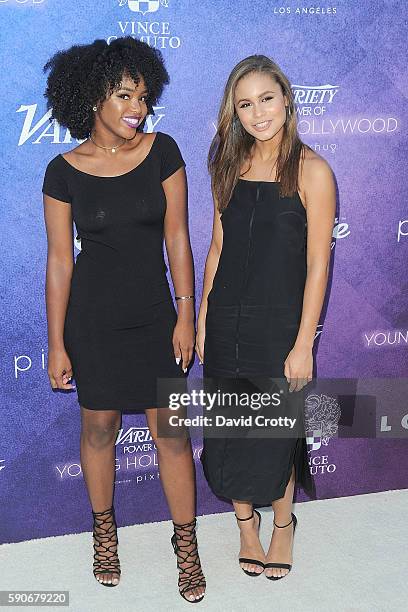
191, 524
108, 511
245, 519
282, 526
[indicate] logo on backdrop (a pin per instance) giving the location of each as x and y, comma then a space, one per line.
386, 426
134, 435
136, 458
315, 99
136, 452
322, 414
24, 363
303, 10
386, 338
1, 464
158, 34
138, 6
313, 102
319, 330
340, 230
36, 130
402, 231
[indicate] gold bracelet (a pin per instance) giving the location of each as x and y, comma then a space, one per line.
184, 297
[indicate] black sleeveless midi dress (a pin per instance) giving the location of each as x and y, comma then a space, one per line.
120, 315
253, 317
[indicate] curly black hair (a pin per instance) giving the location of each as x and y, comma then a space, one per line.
84, 75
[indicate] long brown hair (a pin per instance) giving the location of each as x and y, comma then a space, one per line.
231, 145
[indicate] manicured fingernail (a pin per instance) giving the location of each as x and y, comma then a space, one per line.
178, 359
184, 370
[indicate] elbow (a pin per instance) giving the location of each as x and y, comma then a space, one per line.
318, 268
177, 243
215, 249
60, 267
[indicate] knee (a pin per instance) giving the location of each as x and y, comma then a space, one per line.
100, 433
172, 446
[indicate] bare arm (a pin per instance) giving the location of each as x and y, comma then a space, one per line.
60, 262
180, 257
211, 266
320, 195
320, 210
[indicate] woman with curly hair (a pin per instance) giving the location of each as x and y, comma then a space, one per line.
111, 319
265, 280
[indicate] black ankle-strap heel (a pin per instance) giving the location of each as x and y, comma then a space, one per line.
252, 561
183, 538
106, 560
282, 565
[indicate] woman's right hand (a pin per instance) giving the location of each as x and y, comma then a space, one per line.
200, 339
59, 369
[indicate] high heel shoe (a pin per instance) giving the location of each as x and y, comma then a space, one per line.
252, 561
282, 565
106, 560
183, 538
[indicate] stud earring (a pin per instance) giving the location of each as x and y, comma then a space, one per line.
95, 108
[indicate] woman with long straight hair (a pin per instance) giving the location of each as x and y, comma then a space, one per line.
265, 280
112, 324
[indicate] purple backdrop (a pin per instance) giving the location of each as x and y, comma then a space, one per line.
347, 63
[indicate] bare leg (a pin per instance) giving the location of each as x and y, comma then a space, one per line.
251, 547
98, 435
280, 549
176, 474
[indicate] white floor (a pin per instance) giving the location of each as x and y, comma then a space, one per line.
350, 555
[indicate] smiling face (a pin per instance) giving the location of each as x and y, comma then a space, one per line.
260, 105
124, 110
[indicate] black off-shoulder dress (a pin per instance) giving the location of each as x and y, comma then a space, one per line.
120, 316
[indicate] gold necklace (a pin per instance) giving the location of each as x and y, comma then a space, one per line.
112, 149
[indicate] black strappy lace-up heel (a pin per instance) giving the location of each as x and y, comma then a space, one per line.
106, 560
252, 561
282, 565
184, 541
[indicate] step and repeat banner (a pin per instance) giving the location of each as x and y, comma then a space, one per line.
346, 62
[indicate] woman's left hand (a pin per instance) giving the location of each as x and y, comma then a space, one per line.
183, 342
299, 368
